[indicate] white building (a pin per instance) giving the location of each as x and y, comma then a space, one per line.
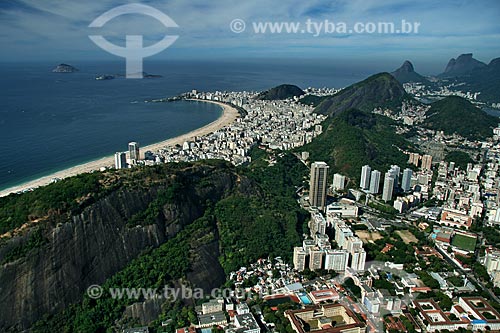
365, 177
341, 234
120, 160
388, 187
344, 208
406, 182
338, 182
299, 258
375, 182
336, 260
358, 260
133, 150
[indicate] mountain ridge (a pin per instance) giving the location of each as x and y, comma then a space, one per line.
454, 114
379, 90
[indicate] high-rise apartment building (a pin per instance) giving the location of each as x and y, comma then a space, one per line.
120, 160
375, 182
365, 177
317, 191
133, 150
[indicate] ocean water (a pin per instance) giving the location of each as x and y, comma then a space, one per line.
52, 121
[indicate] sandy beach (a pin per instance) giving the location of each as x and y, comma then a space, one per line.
229, 115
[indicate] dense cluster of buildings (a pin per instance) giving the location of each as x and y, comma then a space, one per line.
283, 124
471, 313
331, 318
317, 253
409, 114
216, 312
490, 180
121, 160
420, 90
461, 193
333, 245
492, 264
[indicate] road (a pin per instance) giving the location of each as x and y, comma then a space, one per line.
469, 275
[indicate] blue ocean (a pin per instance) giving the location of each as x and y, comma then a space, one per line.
52, 121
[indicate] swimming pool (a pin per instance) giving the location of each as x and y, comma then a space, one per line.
304, 298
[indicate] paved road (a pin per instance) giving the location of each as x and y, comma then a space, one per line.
469, 275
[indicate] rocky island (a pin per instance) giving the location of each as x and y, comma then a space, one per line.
64, 68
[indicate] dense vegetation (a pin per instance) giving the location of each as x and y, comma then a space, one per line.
380, 90
35, 239
270, 223
455, 114
283, 91
460, 158
313, 100
150, 215
248, 226
352, 287
354, 138
57, 200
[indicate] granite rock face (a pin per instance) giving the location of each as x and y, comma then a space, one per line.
94, 245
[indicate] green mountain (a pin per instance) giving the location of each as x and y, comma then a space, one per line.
353, 138
283, 91
380, 90
406, 73
455, 114
175, 224
313, 100
464, 64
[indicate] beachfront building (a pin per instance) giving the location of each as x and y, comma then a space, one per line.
133, 151
120, 160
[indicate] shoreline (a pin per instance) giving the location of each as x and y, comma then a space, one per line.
228, 116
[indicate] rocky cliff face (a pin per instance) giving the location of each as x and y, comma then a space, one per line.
406, 73
464, 64
94, 245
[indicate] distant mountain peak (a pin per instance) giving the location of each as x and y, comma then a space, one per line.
406, 73
407, 67
464, 64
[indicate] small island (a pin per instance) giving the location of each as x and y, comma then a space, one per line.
104, 77
64, 68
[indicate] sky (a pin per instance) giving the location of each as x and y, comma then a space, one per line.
58, 30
